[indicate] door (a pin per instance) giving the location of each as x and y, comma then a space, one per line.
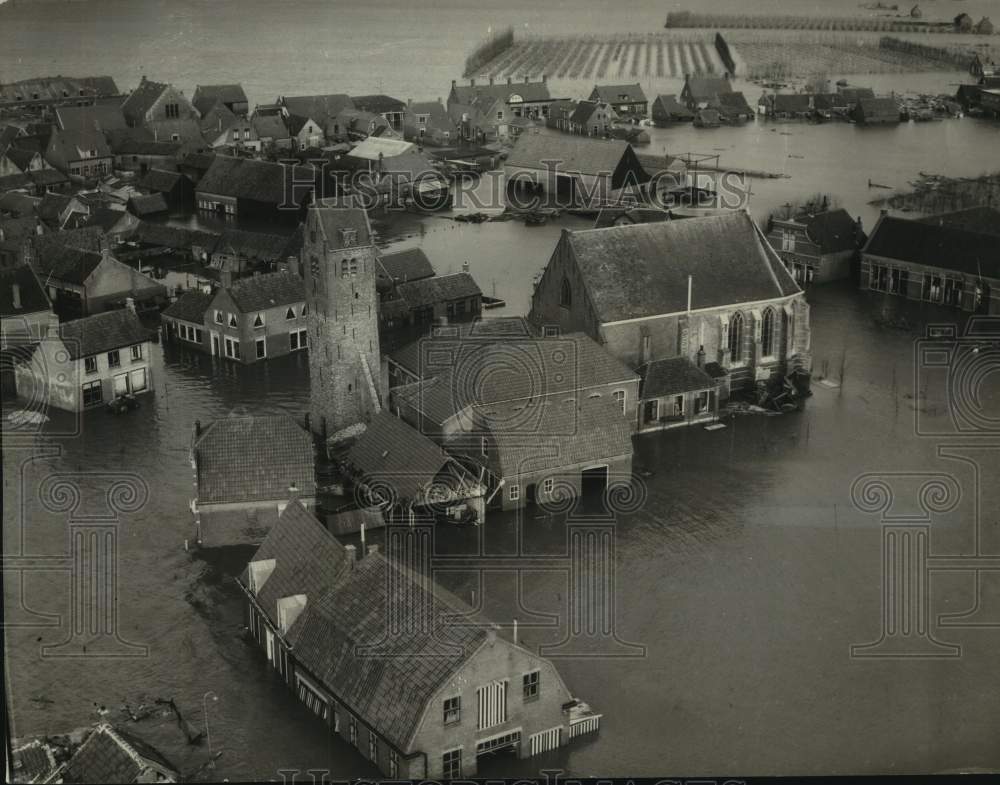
529, 493
215, 345
594, 481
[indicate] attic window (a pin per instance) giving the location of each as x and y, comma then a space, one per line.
258, 320
233, 321
566, 294
349, 236
290, 313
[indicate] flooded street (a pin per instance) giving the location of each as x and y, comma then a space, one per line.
746, 574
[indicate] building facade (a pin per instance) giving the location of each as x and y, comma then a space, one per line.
817, 247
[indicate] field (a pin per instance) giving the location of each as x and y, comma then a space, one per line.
758, 54
874, 24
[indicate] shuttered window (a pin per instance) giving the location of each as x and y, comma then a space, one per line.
492, 705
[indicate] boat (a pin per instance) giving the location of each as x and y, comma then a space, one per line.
122, 404
472, 218
493, 302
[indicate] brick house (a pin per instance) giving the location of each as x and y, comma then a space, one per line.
232, 96
163, 110
628, 100
245, 470
184, 319
592, 118
319, 614
80, 154
25, 311
711, 290
244, 188
701, 92
110, 754
817, 247
258, 317
933, 262
90, 361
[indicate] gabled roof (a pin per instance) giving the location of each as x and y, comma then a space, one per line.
879, 107
642, 270
66, 263
620, 93
583, 111
351, 521
259, 181
102, 332
373, 147
76, 140
148, 204
574, 153
254, 458
106, 218
307, 559
269, 126
438, 289
378, 104
409, 265
255, 246
833, 231
142, 98
161, 180
205, 96
489, 93
31, 293
946, 247
113, 756
270, 290
670, 106
705, 88
58, 88
389, 689
190, 306
21, 158
733, 103
397, 455
99, 117
10, 182
672, 376
855, 94
790, 102
319, 107
19, 204
217, 118
985, 220
334, 221
179, 237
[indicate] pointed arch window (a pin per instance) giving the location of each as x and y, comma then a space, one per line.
566, 294
290, 313
767, 333
736, 326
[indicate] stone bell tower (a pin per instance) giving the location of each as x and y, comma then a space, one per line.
338, 265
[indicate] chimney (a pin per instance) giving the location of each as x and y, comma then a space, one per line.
465, 266
352, 555
372, 549
197, 428
545, 78
526, 79
15, 294
509, 80
700, 357
491, 80
472, 83
409, 102
293, 491
130, 304
883, 212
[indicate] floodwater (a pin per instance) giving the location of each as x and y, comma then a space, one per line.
747, 573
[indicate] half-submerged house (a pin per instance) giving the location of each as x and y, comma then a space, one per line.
426, 701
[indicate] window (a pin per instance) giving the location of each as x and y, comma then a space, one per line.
137, 380
767, 333
566, 295
172, 111
452, 764
305, 309
548, 485
701, 402
678, 405
90, 364
531, 684
484, 446
92, 394
258, 321
114, 359
297, 340
514, 494
372, 745
393, 764
452, 710
218, 317
232, 349
290, 313
137, 352
652, 410
353, 730
261, 348
619, 396
348, 267
551, 331
233, 321
736, 338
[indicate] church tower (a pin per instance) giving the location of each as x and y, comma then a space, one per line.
338, 264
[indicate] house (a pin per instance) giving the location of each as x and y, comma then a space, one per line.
229, 95
80, 154
26, 314
353, 125
504, 101
55, 91
559, 114
246, 468
244, 188
238, 253
162, 109
982, 220
111, 755
707, 118
194, 165
569, 171
90, 361
711, 290
676, 391
877, 111
320, 108
184, 319
401, 471
592, 118
667, 109
142, 154
701, 92
387, 107
733, 108
428, 123
33, 762
627, 100
942, 264
304, 132
318, 612
989, 101
82, 281
817, 247
145, 205
270, 129
60, 211
114, 223
176, 189
614, 216
258, 317
221, 127
546, 416
429, 299
14, 233
787, 106
97, 117
402, 266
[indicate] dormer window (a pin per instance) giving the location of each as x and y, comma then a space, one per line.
218, 317
290, 313
233, 321
349, 237
258, 321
